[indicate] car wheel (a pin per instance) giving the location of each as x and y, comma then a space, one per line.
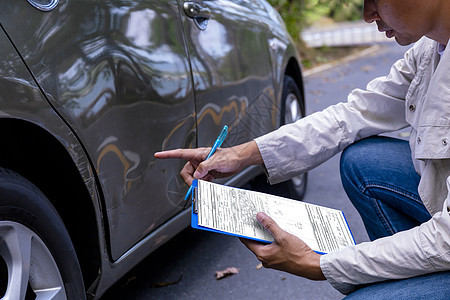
292, 109
37, 257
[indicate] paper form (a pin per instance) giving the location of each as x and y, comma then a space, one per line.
233, 210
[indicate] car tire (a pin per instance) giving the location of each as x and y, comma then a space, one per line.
37, 256
292, 110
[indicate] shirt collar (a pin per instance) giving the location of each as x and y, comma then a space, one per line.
441, 49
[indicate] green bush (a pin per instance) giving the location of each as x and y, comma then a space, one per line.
298, 14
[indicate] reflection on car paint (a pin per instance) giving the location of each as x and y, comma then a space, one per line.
167, 139
265, 108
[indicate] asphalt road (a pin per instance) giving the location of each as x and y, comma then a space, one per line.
184, 268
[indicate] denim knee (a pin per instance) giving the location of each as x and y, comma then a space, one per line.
353, 162
360, 161
378, 176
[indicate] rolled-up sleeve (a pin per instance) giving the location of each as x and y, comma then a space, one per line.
298, 147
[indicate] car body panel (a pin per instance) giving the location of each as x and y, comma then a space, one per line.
22, 99
125, 88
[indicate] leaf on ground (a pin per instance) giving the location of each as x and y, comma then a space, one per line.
132, 278
367, 68
316, 92
167, 283
227, 272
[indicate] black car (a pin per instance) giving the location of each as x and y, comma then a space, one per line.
89, 90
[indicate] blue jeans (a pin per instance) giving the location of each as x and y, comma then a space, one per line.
379, 178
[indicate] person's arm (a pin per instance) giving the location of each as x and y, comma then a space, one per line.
305, 144
298, 147
224, 162
286, 253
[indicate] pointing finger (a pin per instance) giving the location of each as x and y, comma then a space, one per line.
186, 154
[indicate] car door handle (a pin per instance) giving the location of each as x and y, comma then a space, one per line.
196, 11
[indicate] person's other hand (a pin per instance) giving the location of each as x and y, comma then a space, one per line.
287, 253
224, 162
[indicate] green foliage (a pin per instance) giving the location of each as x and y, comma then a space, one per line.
293, 15
298, 14
347, 10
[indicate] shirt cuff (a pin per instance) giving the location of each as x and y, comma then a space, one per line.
343, 288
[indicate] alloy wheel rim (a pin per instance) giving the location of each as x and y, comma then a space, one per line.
293, 113
29, 264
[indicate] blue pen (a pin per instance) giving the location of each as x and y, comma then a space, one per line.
216, 145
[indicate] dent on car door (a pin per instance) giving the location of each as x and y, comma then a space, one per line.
118, 72
231, 65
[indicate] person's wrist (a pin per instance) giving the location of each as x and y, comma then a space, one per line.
249, 154
316, 271
309, 266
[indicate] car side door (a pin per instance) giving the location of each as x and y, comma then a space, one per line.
118, 73
232, 69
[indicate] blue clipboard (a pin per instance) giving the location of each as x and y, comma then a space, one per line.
194, 219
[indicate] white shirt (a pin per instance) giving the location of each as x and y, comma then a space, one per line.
416, 93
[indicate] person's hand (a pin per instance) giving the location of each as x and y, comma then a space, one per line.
287, 253
224, 162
